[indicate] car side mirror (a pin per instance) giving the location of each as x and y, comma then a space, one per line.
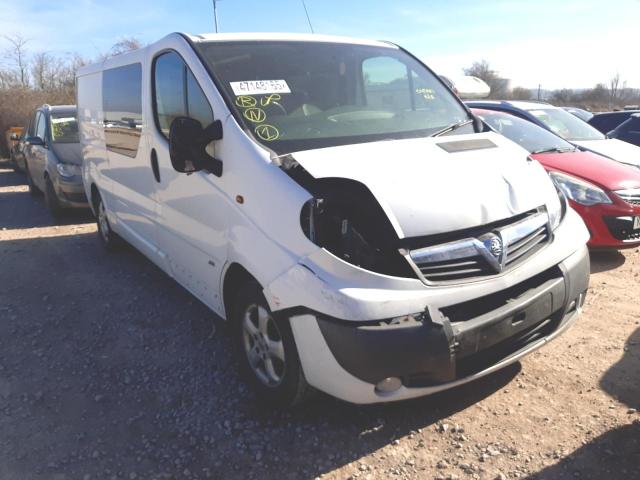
480, 126
188, 142
35, 141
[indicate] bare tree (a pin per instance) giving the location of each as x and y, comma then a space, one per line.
16, 53
563, 96
45, 71
614, 86
124, 45
482, 70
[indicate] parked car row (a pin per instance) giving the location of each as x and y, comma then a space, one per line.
50, 155
362, 230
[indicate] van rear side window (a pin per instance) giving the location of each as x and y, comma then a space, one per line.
122, 105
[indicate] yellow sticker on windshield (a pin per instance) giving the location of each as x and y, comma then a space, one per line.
267, 132
245, 101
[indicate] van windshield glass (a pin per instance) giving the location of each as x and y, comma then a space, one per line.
298, 95
64, 128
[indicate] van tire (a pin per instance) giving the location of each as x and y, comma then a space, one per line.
291, 388
33, 190
110, 240
51, 199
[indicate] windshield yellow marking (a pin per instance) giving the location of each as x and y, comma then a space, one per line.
255, 115
269, 99
267, 132
246, 101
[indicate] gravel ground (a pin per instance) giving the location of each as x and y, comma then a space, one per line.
109, 369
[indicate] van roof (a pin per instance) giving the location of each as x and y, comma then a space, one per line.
137, 55
285, 37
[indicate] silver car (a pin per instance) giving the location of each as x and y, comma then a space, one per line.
53, 158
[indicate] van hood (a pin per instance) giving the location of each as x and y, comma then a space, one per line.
613, 148
68, 152
435, 185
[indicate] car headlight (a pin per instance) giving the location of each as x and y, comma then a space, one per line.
579, 191
557, 209
68, 169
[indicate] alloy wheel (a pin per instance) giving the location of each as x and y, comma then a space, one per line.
263, 345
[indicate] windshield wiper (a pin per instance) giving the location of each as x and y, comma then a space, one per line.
452, 127
554, 149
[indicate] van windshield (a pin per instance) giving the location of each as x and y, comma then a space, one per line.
296, 95
64, 128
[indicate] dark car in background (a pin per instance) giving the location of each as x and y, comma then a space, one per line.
607, 121
53, 158
629, 130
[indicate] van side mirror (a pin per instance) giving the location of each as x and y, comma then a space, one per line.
188, 142
35, 141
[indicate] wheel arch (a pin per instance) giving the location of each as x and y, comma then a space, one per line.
95, 193
235, 276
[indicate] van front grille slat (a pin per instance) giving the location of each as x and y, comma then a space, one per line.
488, 252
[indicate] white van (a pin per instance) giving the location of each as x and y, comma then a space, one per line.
333, 200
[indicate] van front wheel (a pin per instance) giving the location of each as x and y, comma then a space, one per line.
268, 354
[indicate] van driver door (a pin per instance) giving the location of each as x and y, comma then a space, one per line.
191, 218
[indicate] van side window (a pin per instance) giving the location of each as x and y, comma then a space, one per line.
177, 93
41, 126
122, 105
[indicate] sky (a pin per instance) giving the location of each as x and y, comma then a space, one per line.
552, 43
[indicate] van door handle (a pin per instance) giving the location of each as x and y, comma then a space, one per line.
154, 165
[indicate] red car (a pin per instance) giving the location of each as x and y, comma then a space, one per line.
605, 193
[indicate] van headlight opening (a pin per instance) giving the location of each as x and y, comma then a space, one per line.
579, 191
68, 169
345, 218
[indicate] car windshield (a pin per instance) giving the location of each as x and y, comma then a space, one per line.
64, 128
566, 125
526, 134
299, 95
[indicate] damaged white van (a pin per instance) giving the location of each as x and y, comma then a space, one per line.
337, 203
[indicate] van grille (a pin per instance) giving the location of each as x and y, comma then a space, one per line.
487, 252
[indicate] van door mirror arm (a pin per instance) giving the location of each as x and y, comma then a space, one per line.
212, 165
188, 142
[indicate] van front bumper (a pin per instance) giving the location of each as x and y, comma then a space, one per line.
432, 351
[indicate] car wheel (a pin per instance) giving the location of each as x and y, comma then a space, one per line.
51, 199
33, 190
268, 354
109, 239
14, 163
